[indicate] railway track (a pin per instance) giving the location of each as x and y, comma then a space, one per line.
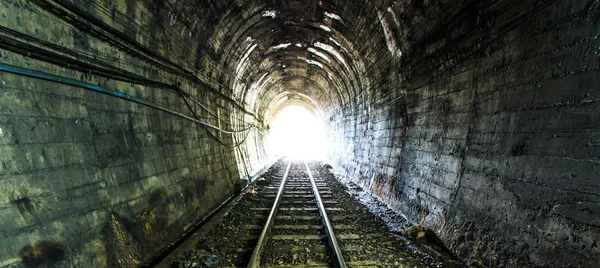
296, 216
303, 216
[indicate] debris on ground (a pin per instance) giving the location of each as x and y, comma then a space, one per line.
415, 232
233, 239
211, 261
252, 192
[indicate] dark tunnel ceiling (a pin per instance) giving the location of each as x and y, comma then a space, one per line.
316, 48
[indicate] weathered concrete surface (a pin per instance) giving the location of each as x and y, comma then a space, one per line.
478, 119
89, 180
491, 135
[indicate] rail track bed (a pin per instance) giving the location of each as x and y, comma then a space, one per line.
298, 215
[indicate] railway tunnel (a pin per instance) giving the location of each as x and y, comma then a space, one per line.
125, 124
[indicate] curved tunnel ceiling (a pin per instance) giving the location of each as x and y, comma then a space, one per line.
307, 47
286, 99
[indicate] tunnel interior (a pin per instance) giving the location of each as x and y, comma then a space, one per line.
124, 124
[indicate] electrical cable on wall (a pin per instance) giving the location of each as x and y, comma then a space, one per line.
68, 81
236, 144
84, 21
25, 49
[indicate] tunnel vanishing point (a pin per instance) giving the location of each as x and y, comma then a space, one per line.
125, 123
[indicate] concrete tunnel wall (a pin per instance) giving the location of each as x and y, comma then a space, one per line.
478, 119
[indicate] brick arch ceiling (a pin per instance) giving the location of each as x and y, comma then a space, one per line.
310, 47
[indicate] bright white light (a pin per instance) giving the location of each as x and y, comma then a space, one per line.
269, 13
325, 28
281, 46
320, 54
335, 42
314, 63
333, 52
298, 134
332, 15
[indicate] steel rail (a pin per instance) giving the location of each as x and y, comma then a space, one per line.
328, 228
262, 240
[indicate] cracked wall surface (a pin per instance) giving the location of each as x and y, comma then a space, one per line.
125, 123
489, 133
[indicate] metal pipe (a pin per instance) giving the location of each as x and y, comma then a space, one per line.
262, 240
68, 81
328, 228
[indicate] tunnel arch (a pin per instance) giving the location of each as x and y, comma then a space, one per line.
286, 99
454, 112
254, 38
271, 49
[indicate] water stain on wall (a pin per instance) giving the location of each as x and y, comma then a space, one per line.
45, 252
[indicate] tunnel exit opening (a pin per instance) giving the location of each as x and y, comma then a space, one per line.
297, 133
